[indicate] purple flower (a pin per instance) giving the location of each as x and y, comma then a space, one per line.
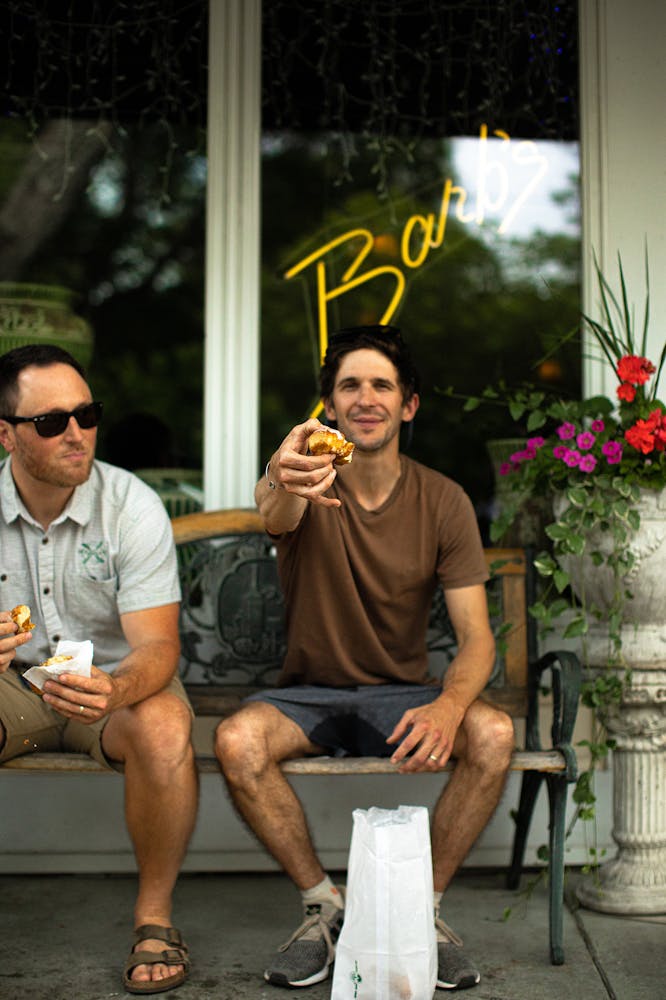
566, 431
572, 457
613, 452
587, 463
598, 426
585, 441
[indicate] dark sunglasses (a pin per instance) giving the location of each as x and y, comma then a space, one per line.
49, 425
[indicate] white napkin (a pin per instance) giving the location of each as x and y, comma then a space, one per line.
81, 653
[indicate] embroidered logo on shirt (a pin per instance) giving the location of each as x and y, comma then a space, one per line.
92, 553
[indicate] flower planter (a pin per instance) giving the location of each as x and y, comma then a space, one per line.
634, 882
43, 314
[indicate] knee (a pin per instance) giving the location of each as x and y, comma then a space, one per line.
160, 729
239, 748
491, 740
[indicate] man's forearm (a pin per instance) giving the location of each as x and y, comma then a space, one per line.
469, 671
281, 511
145, 671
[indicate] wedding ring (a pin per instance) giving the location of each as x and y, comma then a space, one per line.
81, 709
433, 757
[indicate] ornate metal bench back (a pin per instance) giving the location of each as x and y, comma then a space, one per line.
232, 617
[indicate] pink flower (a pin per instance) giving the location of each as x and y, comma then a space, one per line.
505, 468
560, 450
572, 457
534, 443
566, 431
613, 452
597, 426
585, 440
522, 456
587, 463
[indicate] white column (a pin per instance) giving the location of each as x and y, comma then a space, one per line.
231, 379
623, 160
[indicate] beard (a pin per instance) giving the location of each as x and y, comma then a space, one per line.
52, 470
389, 430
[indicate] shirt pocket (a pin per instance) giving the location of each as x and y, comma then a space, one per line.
89, 604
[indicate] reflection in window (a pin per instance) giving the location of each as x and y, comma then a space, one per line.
134, 260
485, 234
102, 190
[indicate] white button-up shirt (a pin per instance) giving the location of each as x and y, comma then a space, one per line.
110, 551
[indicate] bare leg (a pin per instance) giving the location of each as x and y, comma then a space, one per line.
482, 750
161, 791
249, 746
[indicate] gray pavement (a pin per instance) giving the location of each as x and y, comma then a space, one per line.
65, 937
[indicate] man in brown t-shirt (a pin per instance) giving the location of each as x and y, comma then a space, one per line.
361, 549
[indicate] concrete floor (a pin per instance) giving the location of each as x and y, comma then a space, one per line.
65, 937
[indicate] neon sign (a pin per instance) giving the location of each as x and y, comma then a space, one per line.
421, 234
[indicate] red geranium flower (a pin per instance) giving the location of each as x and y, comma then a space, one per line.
645, 435
633, 369
626, 392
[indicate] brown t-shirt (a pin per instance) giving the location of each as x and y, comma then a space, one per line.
358, 584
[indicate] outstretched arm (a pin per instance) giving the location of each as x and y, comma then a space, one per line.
297, 478
430, 731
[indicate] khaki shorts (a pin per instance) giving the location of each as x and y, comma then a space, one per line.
32, 726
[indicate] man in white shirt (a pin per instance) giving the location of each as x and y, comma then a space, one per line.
89, 548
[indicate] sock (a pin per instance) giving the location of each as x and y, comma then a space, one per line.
324, 892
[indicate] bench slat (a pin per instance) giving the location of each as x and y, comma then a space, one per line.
548, 761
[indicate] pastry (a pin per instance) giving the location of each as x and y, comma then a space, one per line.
21, 615
329, 441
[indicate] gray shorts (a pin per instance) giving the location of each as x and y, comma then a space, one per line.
32, 726
349, 721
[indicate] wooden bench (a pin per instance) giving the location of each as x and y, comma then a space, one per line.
232, 637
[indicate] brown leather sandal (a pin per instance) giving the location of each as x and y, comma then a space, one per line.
175, 954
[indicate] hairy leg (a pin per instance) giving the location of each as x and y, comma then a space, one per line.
249, 747
153, 741
482, 750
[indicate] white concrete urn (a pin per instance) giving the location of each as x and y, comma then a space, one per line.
634, 882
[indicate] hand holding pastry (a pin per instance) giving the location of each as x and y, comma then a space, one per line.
85, 698
13, 634
296, 470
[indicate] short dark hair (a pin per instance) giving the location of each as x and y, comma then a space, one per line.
13, 363
385, 339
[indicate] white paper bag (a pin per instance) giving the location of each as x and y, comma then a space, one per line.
387, 948
81, 653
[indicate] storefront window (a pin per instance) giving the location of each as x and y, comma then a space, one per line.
102, 192
470, 242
